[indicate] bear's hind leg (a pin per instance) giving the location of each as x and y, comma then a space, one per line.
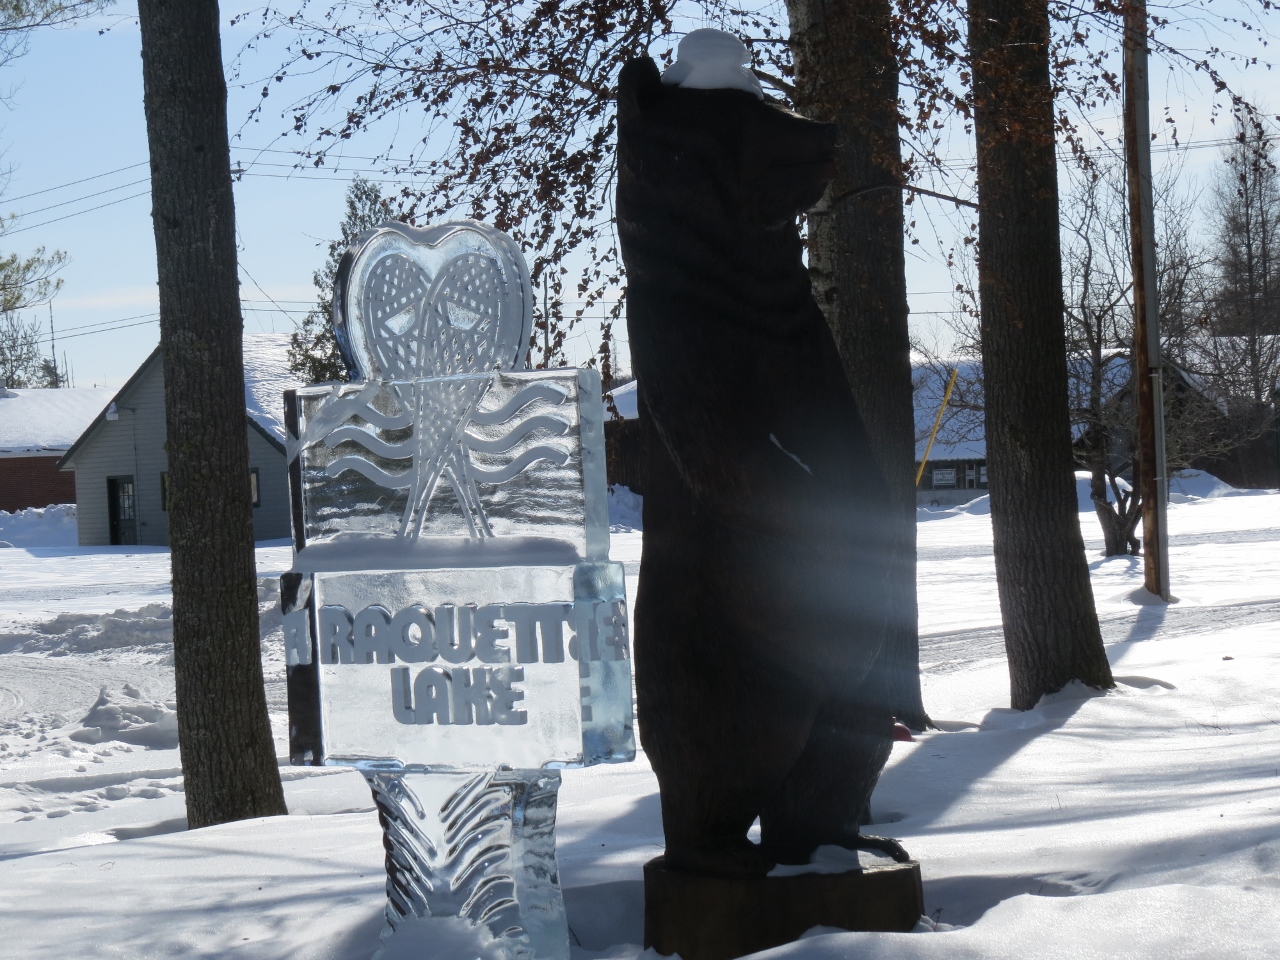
721, 732
826, 797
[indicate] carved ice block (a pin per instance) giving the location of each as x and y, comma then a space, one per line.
471, 864
460, 668
453, 626
463, 470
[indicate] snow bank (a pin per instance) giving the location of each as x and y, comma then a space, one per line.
127, 717
51, 526
67, 634
625, 510
977, 507
1209, 487
1189, 485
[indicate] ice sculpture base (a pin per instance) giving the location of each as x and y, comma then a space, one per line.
471, 865
713, 918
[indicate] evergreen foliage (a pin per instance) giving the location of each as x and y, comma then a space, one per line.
313, 351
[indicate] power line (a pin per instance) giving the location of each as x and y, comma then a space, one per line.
89, 333
88, 196
101, 206
63, 186
330, 173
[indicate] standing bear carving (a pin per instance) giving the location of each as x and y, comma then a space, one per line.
761, 609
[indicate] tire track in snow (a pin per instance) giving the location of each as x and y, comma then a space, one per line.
36, 684
948, 652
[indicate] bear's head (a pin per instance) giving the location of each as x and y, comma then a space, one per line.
759, 163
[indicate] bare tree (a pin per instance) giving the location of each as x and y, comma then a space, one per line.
1238, 352
1098, 336
228, 757
1098, 333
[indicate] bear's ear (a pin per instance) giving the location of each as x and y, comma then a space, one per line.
638, 83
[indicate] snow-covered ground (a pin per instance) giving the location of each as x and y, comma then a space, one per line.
1141, 824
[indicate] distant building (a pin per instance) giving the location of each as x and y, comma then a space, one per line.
121, 467
37, 427
956, 469
623, 448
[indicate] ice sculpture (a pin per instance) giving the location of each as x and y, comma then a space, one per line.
454, 627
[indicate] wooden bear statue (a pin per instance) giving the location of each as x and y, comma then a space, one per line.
761, 612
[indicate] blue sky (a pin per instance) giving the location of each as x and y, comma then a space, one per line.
76, 115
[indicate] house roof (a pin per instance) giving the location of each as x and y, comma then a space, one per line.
266, 378
960, 437
627, 401
46, 422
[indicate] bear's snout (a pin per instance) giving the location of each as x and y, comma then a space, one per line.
797, 159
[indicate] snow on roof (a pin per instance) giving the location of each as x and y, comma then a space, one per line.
47, 422
961, 436
266, 377
626, 400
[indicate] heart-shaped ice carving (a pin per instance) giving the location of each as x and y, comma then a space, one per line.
448, 299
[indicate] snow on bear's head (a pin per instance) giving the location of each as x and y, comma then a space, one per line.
712, 60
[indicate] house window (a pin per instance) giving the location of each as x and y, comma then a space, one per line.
982, 476
253, 489
944, 477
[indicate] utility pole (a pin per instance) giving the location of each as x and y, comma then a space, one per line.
1152, 483
546, 330
53, 349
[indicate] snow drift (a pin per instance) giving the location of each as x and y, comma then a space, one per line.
51, 526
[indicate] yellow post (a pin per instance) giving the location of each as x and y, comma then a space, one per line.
937, 423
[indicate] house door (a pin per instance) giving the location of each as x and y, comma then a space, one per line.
122, 510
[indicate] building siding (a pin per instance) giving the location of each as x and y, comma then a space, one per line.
271, 516
134, 445
34, 482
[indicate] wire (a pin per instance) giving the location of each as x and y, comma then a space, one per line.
89, 196
89, 333
63, 186
101, 206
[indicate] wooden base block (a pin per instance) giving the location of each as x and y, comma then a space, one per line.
712, 918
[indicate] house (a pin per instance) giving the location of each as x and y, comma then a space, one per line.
121, 467
956, 465
37, 427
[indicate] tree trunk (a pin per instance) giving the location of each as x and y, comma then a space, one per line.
1046, 600
847, 73
228, 758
